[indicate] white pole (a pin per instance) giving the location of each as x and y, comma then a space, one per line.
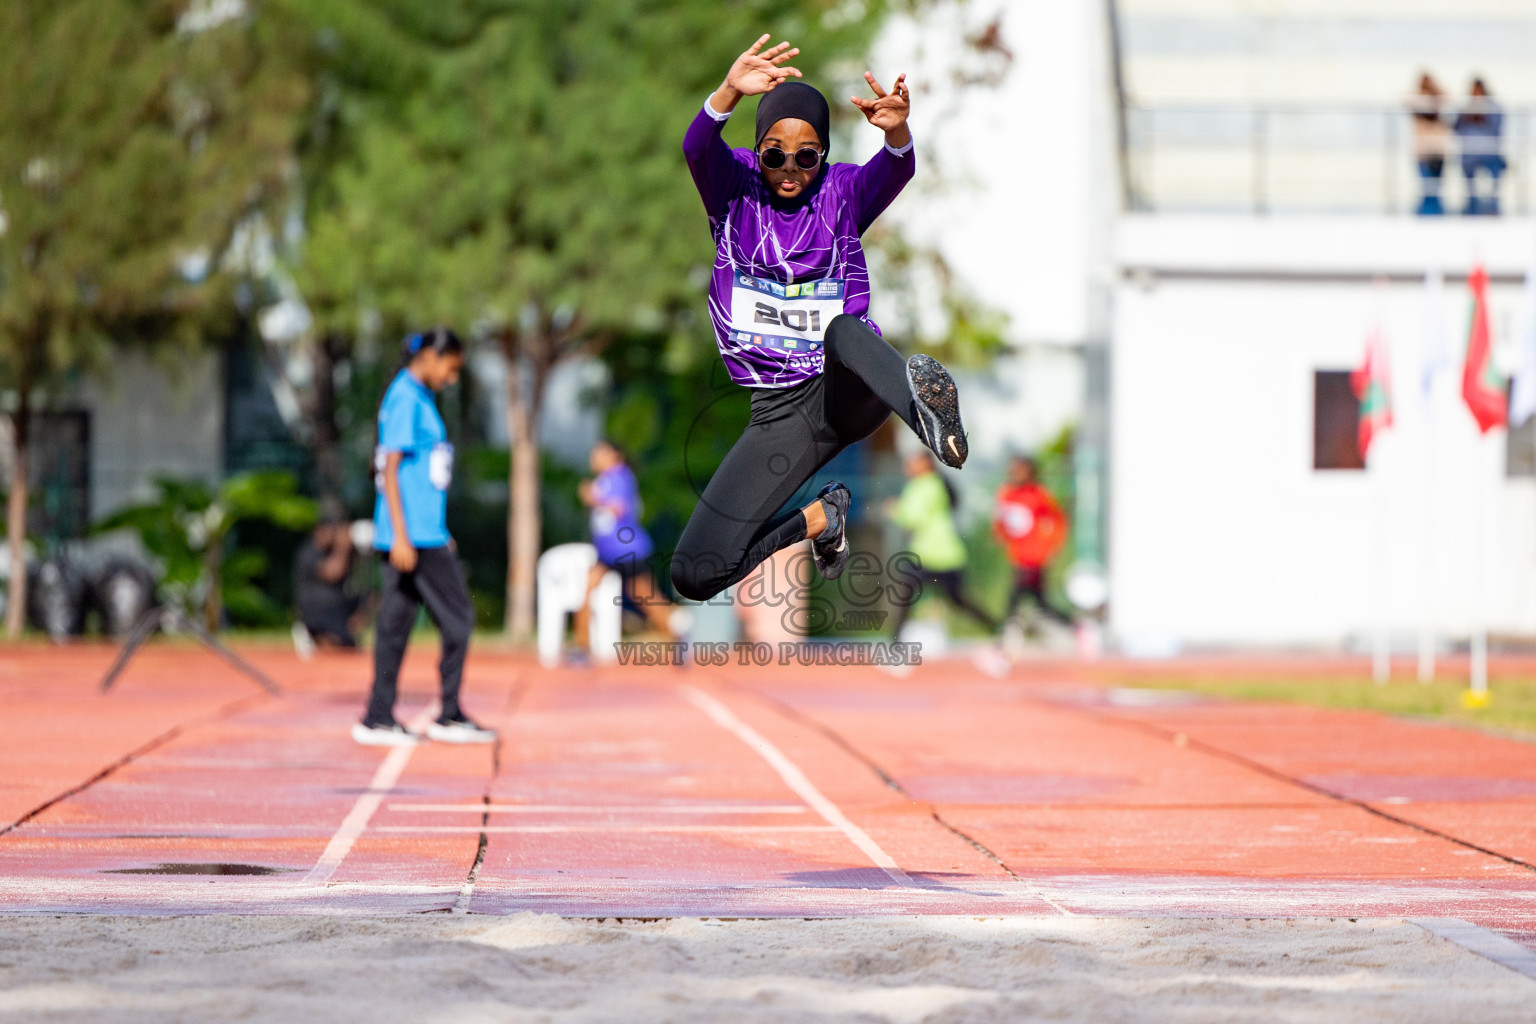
1379, 360
1381, 656
1427, 558
1432, 355
1479, 688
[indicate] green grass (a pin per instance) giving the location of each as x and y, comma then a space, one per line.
1512, 707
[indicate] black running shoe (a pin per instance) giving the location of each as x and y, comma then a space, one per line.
831, 548
384, 734
938, 409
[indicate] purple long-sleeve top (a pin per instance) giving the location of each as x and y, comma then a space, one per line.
766, 249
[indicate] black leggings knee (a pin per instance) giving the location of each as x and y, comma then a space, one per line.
791, 434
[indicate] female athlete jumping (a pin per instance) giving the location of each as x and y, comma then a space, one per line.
789, 299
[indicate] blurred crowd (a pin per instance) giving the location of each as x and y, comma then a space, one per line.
1027, 525
1474, 133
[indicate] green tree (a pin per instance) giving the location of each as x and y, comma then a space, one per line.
533, 186
135, 135
371, 56
188, 525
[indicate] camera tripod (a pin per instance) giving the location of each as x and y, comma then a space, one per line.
171, 617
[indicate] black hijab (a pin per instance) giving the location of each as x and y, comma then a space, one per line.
795, 99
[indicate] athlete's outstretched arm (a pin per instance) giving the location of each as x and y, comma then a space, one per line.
888, 110
717, 174
882, 178
754, 73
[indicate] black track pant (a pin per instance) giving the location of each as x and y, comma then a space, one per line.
791, 434
1029, 581
948, 582
437, 582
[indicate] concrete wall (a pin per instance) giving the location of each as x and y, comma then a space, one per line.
150, 420
1015, 185
570, 423
1178, 50
1221, 530
1016, 190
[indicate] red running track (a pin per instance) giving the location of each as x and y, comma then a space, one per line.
741, 792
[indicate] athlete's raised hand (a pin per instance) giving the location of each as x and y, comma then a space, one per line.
754, 73
888, 110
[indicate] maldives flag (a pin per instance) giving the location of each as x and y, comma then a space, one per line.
1372, 384
1481, 386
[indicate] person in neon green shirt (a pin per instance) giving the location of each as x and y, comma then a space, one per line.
926, 509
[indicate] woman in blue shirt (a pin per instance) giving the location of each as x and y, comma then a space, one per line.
413, 465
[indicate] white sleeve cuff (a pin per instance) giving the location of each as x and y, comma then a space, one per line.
903, 151
712, 112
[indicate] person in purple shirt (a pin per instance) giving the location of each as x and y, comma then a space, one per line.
613, 496
789, 302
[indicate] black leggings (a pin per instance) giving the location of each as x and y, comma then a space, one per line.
948, 581
1029, 581
791, 434
438, 582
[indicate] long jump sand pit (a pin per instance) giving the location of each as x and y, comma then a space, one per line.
531, 967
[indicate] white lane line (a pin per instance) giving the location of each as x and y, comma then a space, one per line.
604, 828
357, 818
796, 780
603, 808
1483, 942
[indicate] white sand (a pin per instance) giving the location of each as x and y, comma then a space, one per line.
439, 968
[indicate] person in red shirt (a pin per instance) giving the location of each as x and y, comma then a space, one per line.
1031, 528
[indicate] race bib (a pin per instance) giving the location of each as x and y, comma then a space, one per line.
789, 317
1017, 520
440, 465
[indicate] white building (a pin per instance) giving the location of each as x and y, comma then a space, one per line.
1223, 527
1225, 193
101, 441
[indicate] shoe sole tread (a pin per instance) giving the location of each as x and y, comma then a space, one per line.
938, 403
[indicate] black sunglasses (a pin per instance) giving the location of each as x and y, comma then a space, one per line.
806, 159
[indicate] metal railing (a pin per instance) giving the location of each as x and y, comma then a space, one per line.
1297, 158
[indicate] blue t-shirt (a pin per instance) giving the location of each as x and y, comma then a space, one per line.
616, 530
409, 423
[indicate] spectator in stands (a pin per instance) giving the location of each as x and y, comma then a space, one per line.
330, 613
1032, 529
1431, 142
1479, 129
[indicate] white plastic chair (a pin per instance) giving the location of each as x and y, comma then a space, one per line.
562, 581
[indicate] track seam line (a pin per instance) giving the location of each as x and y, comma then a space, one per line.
890, 781
1172, 735
233, 707
351, 828
467, 890
797, 781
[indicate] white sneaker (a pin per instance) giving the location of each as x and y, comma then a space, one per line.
460, 730
988, 660
387, 734
303, 643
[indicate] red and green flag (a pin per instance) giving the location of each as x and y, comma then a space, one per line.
1481, 386
1372, 384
